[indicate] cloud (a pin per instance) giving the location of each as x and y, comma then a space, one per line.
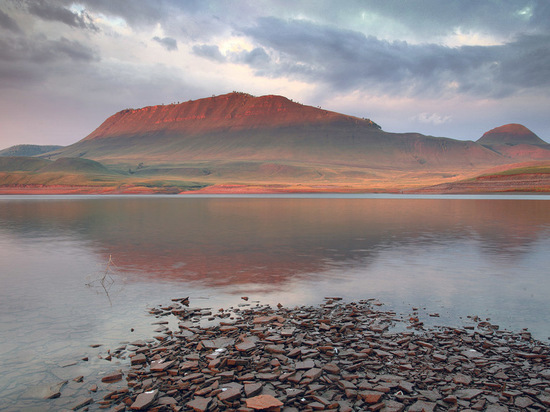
209, 51
24, 61
47, 11
8, 23
347, 60
168, 43
257, 58
432, 118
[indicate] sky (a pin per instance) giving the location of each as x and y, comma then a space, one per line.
453, 68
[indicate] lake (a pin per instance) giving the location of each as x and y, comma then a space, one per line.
454, 256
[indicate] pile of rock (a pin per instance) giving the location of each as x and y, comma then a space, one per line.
337, 356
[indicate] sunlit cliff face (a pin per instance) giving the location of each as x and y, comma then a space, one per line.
232, 111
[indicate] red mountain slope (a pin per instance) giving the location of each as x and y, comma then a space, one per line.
512, 133
229, 112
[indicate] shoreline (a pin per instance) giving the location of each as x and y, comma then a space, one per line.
335, 356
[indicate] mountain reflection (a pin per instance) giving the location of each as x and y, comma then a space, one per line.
270, 241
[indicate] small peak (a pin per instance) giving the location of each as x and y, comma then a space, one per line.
512, 133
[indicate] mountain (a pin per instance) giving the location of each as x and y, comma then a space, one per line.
510, 134
517, 142
28, 150
238, 142
241, 128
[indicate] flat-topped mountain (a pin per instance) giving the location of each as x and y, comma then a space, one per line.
270, 143
229, 112
237, 127
510, 134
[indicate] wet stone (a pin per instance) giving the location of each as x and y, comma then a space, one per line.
112, 377
81, 402
144, 400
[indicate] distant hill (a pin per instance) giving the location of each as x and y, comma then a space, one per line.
510, 134
517, 142
28, 150
239, 142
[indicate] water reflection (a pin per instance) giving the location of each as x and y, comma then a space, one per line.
229, 241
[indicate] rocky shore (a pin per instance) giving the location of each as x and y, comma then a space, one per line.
333, 357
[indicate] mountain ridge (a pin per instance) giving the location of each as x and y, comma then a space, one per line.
232, 111
269, 143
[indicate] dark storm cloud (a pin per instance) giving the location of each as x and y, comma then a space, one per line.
24, 61
50, 11
348, 60
209, 51
168, 43
8, 23
256, 58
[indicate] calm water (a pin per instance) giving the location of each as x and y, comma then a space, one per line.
457, 256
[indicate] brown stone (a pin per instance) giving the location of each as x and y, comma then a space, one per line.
422, 406
275, 349
245, 346
406, 386
138, 359
199, 404
112, 377
252, 389
467, 394
331, 368
371, 396
393, 406
81, 402
263, 402
307, 364
229, 394
144, 400
462, 379
523, 402
313, 373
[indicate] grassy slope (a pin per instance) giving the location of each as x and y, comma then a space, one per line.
28, 150
521, 177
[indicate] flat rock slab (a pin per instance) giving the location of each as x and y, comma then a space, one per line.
199, 404
468, 394
422, 406
261, 402
144, 400
112, 377
81, 402
245, 346
161, 365
252, 389
230, 394
307, 364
